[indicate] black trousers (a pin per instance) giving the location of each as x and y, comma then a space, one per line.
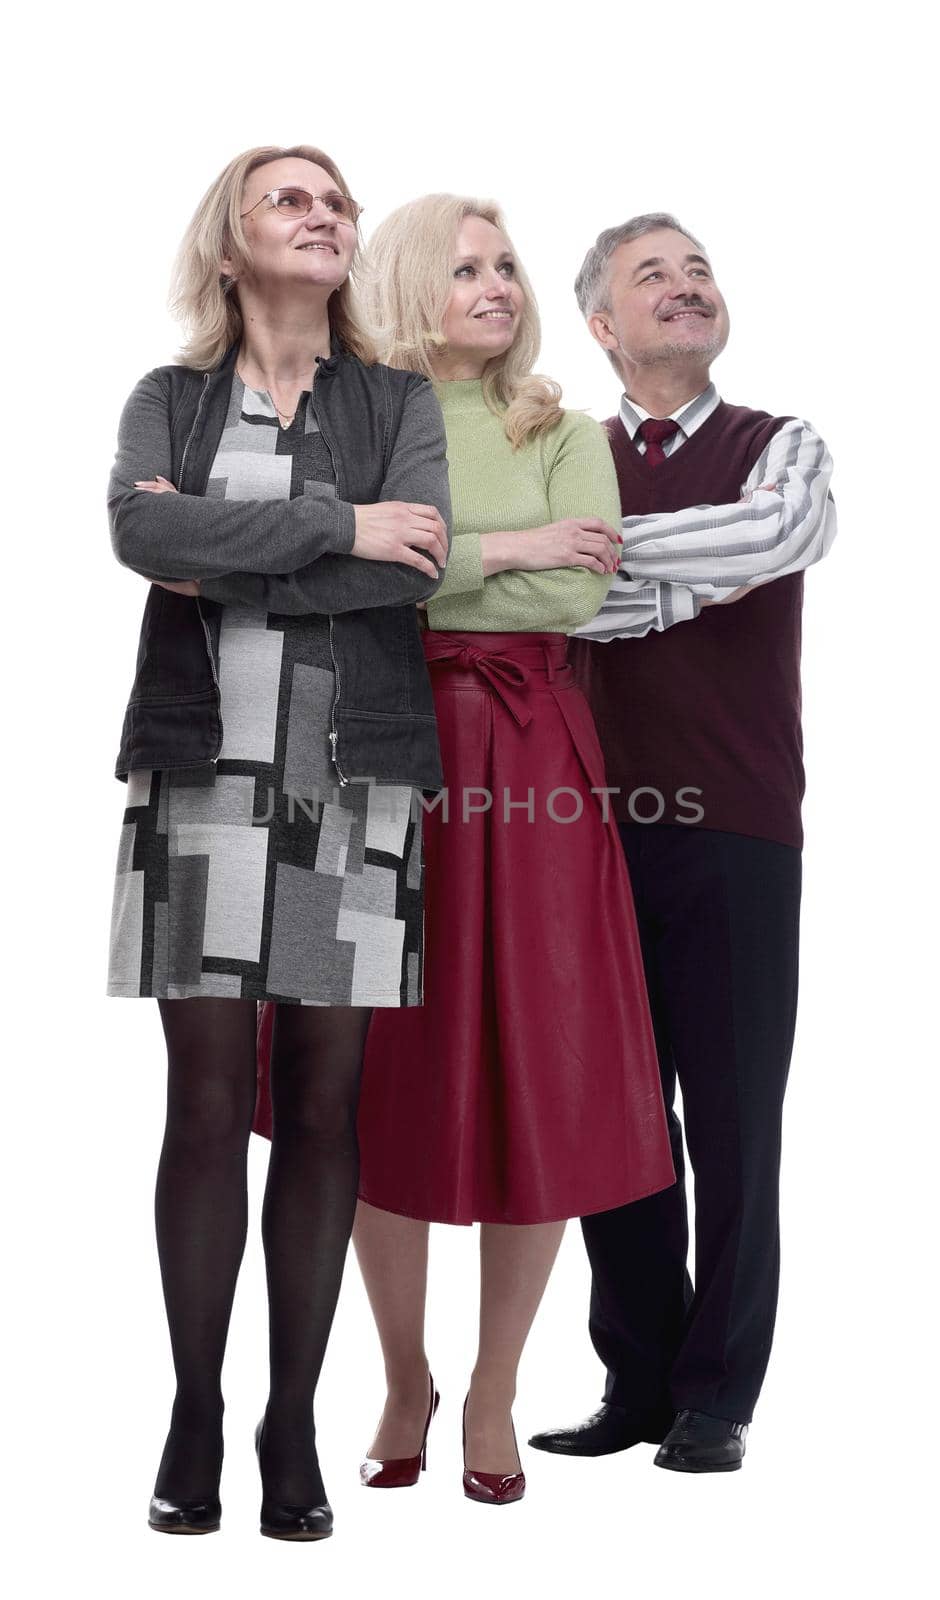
719, 923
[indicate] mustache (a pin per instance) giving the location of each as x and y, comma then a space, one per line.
692, 302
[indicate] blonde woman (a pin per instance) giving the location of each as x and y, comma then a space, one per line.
525, 1090
286, 496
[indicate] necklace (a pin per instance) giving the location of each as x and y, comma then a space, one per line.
284, 416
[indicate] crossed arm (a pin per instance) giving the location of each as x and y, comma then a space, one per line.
675, 562
312, 553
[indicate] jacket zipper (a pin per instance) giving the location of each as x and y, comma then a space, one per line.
215, 680
205, 625
334, 734
202, 397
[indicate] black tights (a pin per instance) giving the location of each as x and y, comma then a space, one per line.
306, 1220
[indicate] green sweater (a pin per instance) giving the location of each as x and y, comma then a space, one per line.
568, 472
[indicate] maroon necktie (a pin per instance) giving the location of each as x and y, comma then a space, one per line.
655, 432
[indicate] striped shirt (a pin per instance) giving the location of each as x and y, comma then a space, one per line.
784, 521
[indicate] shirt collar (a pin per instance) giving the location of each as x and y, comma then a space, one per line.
689, 417
326, 363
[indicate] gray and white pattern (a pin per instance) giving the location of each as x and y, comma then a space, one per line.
259, 876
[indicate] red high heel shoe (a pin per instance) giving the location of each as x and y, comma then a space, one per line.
403, 1471
491, 1488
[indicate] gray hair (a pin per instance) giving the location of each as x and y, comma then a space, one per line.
592, 285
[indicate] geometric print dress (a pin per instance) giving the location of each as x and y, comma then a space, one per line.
258, 876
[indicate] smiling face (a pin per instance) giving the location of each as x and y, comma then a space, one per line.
664, 305
485, 300
291, 249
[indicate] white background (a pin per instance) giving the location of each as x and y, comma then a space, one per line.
792, 140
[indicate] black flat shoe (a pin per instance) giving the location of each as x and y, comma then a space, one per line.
699, 1443
606, 1431
184, 1516
292, 1522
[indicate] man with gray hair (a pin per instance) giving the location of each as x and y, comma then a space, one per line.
697, 703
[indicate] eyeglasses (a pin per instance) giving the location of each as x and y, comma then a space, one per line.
299, 203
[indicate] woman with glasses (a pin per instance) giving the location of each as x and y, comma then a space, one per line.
526, 1089
286, 496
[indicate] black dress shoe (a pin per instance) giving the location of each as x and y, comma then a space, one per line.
292, 1522
606, 1431
699, 1443
184, 1516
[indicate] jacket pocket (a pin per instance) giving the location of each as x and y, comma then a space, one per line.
172, 657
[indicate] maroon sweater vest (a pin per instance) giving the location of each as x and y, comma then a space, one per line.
700, 724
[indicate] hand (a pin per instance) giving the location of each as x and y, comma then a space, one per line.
394, 530
730, 599
746, 498
574, 542
157, 485
184, 586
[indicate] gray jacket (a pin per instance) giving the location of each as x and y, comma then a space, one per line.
385, 433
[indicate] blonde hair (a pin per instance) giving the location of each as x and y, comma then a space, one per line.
406, 279
206, 301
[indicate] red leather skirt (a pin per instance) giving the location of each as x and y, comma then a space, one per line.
526, 1088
